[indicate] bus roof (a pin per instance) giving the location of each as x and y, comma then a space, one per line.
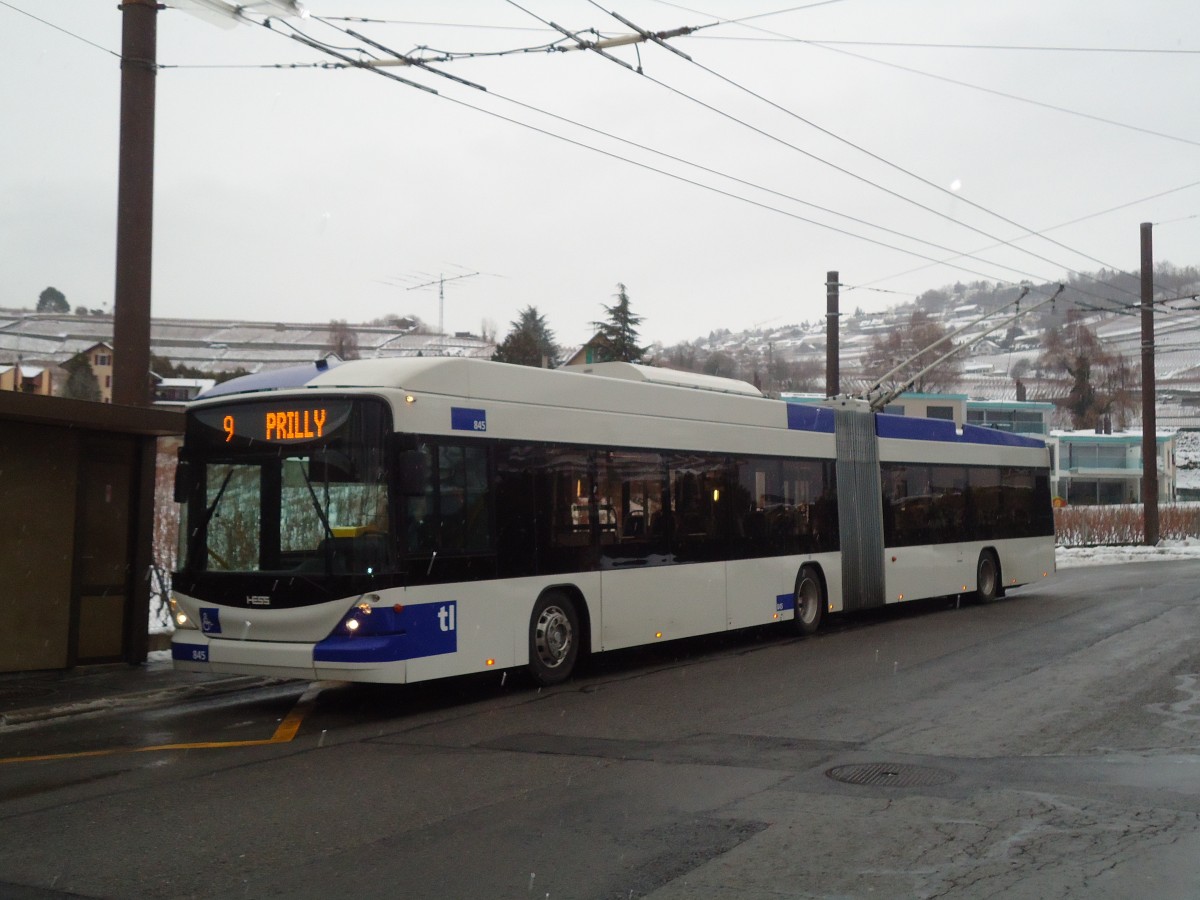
458, 375
605, 387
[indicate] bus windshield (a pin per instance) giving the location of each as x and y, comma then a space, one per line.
288, 500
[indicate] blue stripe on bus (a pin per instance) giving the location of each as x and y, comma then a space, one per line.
944, 431
802, 417
784, 602
424, 629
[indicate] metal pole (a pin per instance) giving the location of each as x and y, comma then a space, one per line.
832, 375
135, 204
1149, 421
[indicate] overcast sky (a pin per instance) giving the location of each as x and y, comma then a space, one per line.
309, 194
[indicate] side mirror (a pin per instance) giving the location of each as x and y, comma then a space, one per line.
183, 480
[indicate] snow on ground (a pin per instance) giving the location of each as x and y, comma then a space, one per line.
1187, 450
1165, 551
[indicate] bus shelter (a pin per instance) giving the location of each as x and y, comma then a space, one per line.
77, 489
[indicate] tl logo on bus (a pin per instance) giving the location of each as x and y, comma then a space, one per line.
433, 628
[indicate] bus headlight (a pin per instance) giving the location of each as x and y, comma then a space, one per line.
180, 618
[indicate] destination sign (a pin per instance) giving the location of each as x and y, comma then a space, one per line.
274, 423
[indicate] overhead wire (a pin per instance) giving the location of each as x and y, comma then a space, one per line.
1074, 221
331, 49
1028, 231
777, 12
1005, 94
445, 55
724, 175
899, 168
712, 171
59, 28
366, 20
929, 45
442, 55
711, 188
327, 48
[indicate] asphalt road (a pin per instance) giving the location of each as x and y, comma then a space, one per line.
1042, 746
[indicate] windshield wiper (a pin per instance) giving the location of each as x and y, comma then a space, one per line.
194, 543
324, 522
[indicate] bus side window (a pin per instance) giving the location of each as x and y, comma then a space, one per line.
631, 486
417, 490
413, 472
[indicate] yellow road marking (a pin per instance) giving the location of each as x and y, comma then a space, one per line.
284, 733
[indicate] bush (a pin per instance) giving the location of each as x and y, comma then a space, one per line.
1097, 526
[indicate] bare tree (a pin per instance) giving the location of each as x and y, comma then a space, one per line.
1103, 382
342, 340
913, 343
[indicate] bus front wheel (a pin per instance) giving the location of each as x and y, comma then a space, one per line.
987, 577
809, 601
553, 638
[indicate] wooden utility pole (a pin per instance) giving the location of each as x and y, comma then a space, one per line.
1149, 419
135, 204
832, 373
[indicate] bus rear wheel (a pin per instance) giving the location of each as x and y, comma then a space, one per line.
987, 577
809, 601
553, 638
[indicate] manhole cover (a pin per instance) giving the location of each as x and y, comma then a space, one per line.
889, 775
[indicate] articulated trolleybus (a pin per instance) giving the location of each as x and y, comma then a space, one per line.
397, 520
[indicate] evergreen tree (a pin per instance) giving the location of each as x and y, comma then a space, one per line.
530, 342
52, 300
619, 332
81, 380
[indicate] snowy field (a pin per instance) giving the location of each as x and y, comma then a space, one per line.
1165, 551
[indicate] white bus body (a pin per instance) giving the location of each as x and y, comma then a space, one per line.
397, 520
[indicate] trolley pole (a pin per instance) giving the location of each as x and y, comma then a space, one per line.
135, 204
832, 375
1149, 419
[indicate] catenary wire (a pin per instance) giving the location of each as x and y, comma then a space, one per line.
729, 177
929, 209
901, 169
711, 171
328, 49
1075, 221
446, 55
926, 45
998, 93
675, 176
71, 34
1028, 232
